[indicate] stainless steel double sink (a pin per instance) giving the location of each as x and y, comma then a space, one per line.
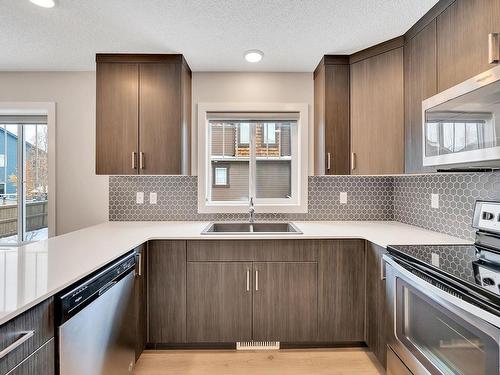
251, 228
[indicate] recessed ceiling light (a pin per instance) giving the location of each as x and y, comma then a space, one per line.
44, 3
254, 55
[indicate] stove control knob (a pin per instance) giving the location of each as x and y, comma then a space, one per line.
488, 281
488, 215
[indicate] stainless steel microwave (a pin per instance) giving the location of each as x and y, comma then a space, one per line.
461, 125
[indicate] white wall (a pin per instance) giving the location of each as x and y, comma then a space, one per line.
82, 197
255, 88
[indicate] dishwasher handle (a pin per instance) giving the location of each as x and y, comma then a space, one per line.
106, 287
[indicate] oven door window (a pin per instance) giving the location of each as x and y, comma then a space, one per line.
444, 341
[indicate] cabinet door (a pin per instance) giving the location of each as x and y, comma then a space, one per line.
285, 302
462, 40
40, 362
377, 121
337, 119
341, 291
167, 291
141, 292
376, 309
219, 302
420, 84
160, 118
117, 111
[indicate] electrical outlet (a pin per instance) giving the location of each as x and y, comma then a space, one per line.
434, 200
435, 259
343, 197
139, 198
153, 198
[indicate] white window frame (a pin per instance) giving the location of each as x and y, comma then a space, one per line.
48, 109
300, 143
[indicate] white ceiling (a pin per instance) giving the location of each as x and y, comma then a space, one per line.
212, 34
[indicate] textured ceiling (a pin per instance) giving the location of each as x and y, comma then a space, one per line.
212, 34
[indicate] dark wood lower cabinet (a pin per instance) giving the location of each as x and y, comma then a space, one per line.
219, 302
141, 307
294, 291
285, 302
167, 291
41, 362
341, 291
376, 310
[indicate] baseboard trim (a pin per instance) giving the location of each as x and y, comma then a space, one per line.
232, 345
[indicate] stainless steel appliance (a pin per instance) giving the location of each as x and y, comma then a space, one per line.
461, 126
96, 322
445, 303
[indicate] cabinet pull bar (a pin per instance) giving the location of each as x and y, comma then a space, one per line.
256, 280
382, 269
139, 264
248, 280
328, 161
494, 48
141, 160
353, 160
134, 165
21, 340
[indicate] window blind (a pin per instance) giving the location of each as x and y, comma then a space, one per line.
23, 119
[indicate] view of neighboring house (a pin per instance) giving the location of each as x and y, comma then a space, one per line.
36, 165
230, 155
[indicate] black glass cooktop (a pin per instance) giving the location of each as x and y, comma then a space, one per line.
468, 264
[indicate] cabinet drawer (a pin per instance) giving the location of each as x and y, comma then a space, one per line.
41, 362
253, 250
35, 326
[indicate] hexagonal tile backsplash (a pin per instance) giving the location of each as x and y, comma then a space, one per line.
369, 198
402, 198
457, 194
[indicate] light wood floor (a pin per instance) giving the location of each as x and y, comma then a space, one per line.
229, 362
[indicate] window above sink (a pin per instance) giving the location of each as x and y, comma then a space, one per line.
254, 151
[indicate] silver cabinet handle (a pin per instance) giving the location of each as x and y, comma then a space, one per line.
256, 280
353, 160
382, 269
328, 161
494, 48
248, 280
21, 340
141, 160
134, 159
139, 264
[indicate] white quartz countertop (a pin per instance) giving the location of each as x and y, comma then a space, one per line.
32, 273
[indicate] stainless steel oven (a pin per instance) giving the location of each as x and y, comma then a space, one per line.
435, 329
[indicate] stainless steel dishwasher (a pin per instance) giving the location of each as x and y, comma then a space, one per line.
96, 330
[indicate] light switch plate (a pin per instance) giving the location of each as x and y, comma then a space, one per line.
153, 198
139, 198
434, 200
343, 197
435, 259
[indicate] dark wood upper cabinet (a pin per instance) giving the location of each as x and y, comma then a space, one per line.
420, 83
377, 120
462, 40
117, 111
331, 115
143, 114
